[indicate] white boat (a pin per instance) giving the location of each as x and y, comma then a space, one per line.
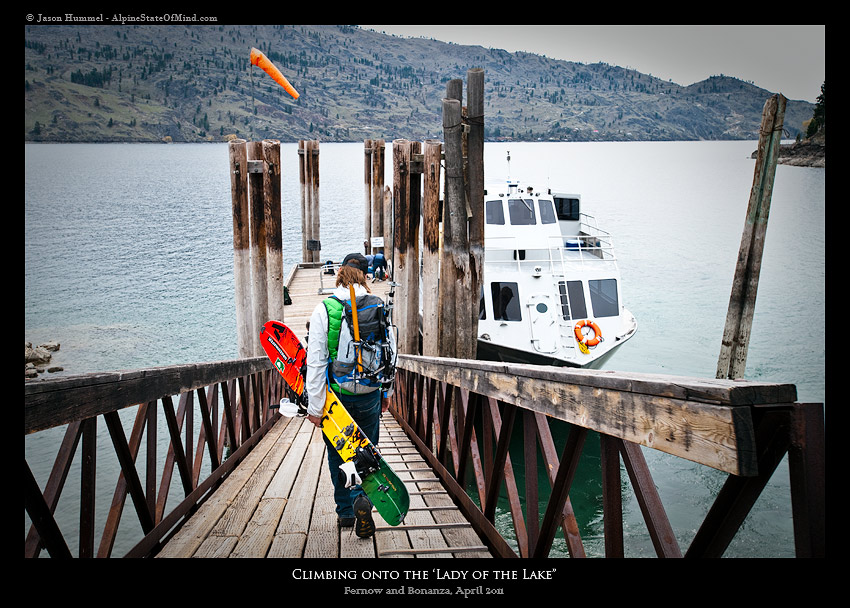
551, 292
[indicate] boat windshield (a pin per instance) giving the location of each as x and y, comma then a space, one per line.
521, 211
494, 212
547, 212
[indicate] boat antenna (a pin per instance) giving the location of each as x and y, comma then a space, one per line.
509, 165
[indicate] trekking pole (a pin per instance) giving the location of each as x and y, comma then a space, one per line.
393, 284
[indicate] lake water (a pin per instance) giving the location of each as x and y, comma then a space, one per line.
129, 263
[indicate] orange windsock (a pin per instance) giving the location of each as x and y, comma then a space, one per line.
261, 61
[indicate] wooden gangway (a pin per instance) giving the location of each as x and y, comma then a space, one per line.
279, 501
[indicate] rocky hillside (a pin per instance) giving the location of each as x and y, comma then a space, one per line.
191, 83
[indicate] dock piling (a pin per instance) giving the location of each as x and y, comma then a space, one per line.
241, 245
475, 185
257, 239
375, 216
405, 248
739, 317
431, 248
259, 254
454, 262
308, 153
377, 220
274, 232
367, 189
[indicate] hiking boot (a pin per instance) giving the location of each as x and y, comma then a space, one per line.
345, 522
364, 526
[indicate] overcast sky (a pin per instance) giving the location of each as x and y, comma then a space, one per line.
787, 59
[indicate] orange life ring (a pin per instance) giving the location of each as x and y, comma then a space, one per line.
597, 333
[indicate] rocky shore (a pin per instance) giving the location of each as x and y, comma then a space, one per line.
809, 152
37, 359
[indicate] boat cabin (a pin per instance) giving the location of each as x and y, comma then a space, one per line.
547, 267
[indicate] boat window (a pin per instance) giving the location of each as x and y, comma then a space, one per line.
547, 212
495, 213
505, 301
567, 208
603, 296
572, 300
521, 211
482, 312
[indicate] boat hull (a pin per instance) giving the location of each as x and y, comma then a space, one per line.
487, 351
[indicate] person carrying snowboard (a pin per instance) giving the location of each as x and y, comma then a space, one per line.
360, 373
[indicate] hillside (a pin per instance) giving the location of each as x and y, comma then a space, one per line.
193, 83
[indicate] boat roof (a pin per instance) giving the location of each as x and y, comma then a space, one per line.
506, 187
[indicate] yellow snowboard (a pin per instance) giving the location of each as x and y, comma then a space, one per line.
380, 483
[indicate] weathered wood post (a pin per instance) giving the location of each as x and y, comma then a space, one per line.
367, 189
431, 248
462, 255
739, 317
308, 152
377, 219
388, 225
405, 264
257, 231
414, 218
257, 239
475, 187
401, 149
241, 245
316, 245
274, 235
305, 209
454, 264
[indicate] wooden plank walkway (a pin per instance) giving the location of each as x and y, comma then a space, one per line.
279, 500
279, 503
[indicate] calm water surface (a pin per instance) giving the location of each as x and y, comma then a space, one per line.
129, 263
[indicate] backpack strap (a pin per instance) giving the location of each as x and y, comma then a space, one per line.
335, 309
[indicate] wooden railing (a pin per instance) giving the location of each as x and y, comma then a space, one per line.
232, 401
461, 414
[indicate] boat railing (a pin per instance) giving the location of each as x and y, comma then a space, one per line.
588, 226
555, 254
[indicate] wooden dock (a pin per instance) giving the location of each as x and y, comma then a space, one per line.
279, 501
304, 283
